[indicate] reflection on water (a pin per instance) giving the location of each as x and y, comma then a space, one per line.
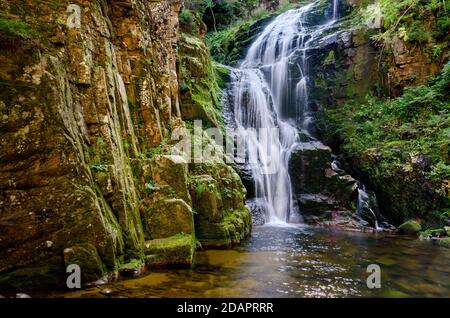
300, 262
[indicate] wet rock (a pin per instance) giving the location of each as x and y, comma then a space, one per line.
421, 162
109, 292
258, 211
445, 242
410, 228
133, 268
307, 166
315, 204
207, 198
175, 250
171, 171
218, 195
167, 217
85, 256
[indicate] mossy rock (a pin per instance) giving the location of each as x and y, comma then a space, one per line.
168, 217
133, 268
85, 256
27, 278
445, 242
410, 228
171, 171
235, 227
176, 250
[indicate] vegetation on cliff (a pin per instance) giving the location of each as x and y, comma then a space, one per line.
402, 146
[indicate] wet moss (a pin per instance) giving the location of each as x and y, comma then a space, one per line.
176, 250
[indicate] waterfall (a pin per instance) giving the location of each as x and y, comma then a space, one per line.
335, 10
271, 106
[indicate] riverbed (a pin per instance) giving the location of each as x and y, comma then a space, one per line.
298, 261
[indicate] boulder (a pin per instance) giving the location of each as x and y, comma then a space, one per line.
175, 250
167, 217
171, 171
207, 198
307, 166
445, 242
410, 228
85, 256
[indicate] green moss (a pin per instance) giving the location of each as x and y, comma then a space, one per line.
200, 82
133, 264
410, 228
175, 250
445, 242
13, 29
26, 278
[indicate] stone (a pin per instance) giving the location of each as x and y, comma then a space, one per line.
447, 230
445, 242
80, 112
85, 256
233, 228
171, 171
207, 198
307, 166
410, 228
132, 269
168, 217
175, 250
316, 205
421, 162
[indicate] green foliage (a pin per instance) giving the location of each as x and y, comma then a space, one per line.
13, 29
188, 22
99, 168
420, 22
417, 33
150, 186
417, 122
442, 27
200, 188
218, 14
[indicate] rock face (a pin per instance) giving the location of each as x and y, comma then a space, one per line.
321, 193
84, 117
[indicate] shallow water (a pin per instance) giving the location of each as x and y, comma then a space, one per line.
299, 262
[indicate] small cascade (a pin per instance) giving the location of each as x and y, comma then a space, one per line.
368, 210
366, 206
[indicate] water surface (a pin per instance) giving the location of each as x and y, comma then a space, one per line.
299, 262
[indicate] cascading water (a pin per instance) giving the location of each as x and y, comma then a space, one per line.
272, 99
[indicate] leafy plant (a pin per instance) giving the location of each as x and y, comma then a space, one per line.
150, 186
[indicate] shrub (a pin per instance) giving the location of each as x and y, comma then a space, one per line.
187, 22
418, 34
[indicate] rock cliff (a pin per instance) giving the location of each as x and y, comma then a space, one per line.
88, 174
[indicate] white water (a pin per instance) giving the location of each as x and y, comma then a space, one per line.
266, 95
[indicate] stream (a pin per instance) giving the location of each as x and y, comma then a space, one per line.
297, 261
